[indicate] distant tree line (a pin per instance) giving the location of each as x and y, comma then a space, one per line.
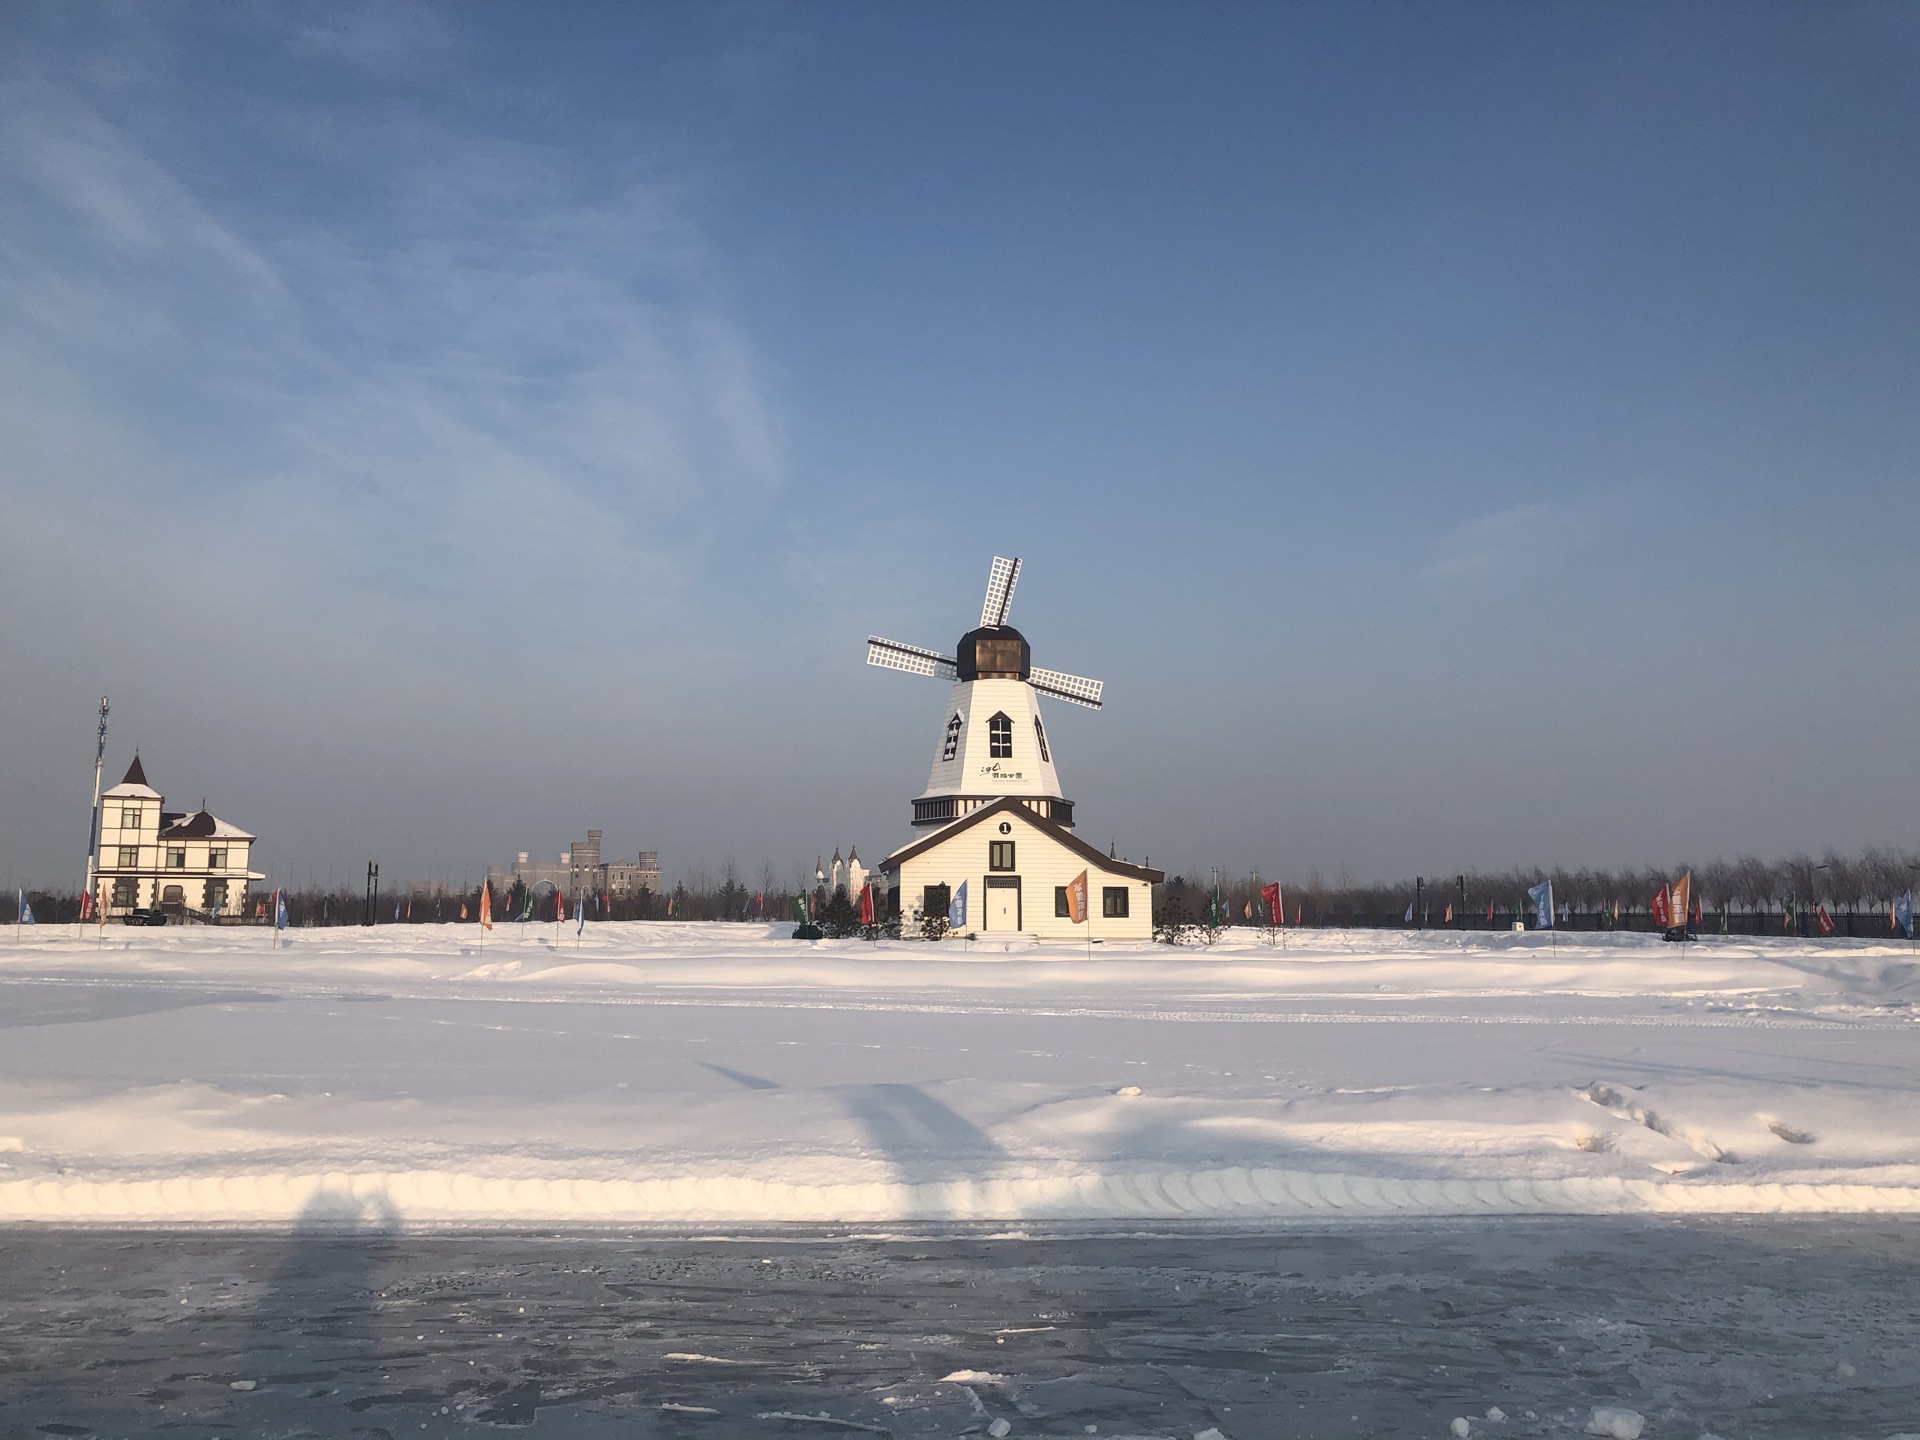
1748, 891
1755, 896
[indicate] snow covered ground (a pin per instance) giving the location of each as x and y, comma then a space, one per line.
715, 1074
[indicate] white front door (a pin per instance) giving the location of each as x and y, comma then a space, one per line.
1003, 905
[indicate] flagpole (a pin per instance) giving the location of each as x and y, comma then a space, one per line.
93, 828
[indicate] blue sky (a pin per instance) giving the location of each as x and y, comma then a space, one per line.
1458, 435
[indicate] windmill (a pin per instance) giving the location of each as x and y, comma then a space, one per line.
993, 743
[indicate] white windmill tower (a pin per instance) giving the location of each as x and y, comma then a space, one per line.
993, 744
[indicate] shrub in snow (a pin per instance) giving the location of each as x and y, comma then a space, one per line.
1461, 1426
1616, 1421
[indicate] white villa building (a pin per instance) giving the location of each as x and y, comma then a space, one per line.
191, 866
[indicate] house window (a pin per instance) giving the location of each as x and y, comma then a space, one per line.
1062, 907
1040, 734
173, 897
1000, 738
130, 818
1000, 855
126, 892
216, 859
936, 900
213, 895
176, 857
952, 745
1113, 901
129, 856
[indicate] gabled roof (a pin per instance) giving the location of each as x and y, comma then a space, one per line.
1009, 803
204, 826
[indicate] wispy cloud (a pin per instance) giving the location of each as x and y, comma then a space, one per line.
444, 338
1525, 542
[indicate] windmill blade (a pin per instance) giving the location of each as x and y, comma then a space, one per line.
1074, 688
893, 655
1000, 582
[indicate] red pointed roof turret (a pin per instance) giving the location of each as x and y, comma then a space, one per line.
135, 774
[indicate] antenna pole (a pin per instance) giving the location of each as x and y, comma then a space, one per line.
93, 827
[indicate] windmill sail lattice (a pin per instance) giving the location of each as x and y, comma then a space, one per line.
1076, 689
894, 655
1001, 579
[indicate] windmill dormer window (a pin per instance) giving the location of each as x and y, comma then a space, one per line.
952, 746
1040, 734
1000, 738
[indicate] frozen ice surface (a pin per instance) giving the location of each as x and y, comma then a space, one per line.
1724, 1325
725, 1074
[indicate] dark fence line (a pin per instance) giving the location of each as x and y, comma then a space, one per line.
315, 909
1862, 924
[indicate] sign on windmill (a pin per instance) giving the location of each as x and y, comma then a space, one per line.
993, 743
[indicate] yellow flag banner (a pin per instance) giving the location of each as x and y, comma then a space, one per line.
1077, 898
1682, 903
486, 905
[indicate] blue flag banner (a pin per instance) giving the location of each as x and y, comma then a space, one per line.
26, 910
580, 915
1542, 897
1409, 912
279, 910
1903, 913
957, 909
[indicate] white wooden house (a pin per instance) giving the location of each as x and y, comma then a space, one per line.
1016, 865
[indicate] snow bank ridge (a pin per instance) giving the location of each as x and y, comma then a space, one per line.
439, 1198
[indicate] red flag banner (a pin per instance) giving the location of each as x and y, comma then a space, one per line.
1276, 912
1662, 908
486, 905
1077, 900
1825, 918
866, 904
